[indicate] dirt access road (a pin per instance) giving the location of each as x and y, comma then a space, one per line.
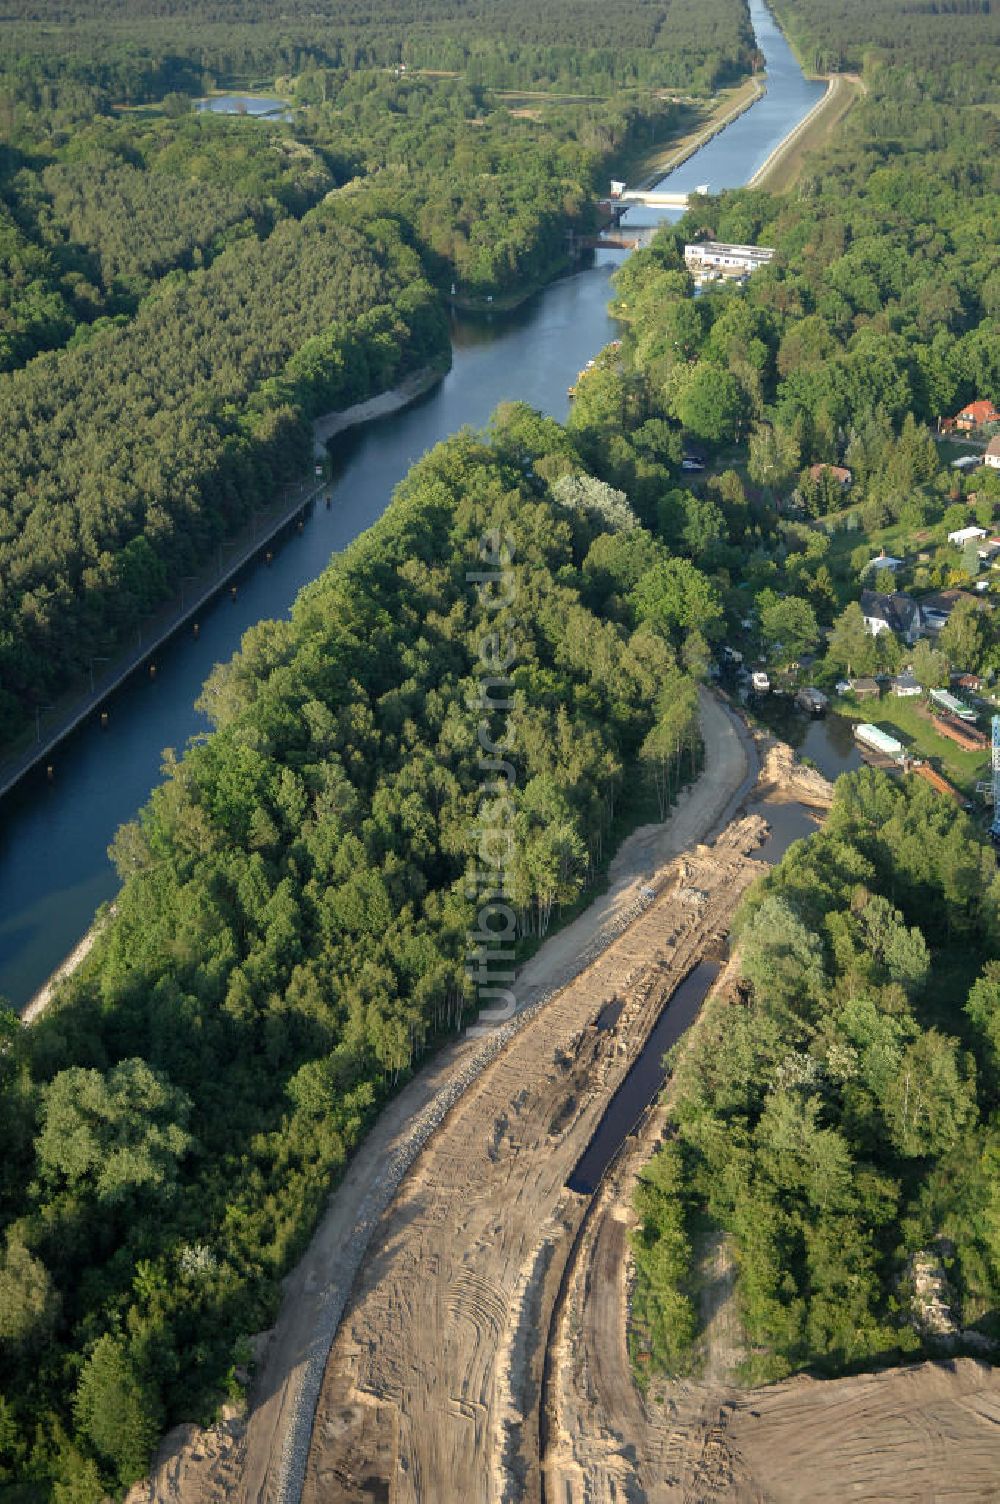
262, 1458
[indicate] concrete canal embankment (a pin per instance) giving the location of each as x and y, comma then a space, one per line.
291, 502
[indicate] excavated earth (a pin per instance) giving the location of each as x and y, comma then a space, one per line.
433, 1385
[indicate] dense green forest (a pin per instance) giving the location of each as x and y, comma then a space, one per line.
204, 289
291, 932
957, 42
838, 1117
149, 49
91, 217
490, 194
129, 456
292, 928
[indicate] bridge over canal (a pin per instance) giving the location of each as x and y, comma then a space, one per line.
655, 199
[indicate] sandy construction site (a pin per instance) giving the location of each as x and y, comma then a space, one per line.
926, 1432
456, 1333
432, 1388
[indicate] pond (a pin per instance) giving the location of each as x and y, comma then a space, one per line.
258, 106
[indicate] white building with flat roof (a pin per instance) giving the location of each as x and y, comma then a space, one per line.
732, 258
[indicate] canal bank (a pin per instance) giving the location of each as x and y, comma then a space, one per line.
653, 168
531, 354
290, 503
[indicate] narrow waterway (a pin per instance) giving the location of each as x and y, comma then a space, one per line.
644, 1081
732, 157
54, 869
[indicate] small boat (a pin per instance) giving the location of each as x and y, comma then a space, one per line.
876, 740
812, 701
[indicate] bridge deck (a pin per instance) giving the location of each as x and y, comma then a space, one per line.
654, 200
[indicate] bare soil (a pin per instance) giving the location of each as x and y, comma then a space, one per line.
433, 1385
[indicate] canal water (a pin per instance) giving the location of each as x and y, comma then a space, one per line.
644, 1081
732, 157
54, 869
257, 106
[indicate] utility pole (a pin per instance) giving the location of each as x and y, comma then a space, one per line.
38, 721
96, 659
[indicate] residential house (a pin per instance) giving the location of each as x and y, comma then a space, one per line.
895, 613
992, 455
840, 473
975, 414
936, 609
963, 535
865, 689
905, 685
884, 561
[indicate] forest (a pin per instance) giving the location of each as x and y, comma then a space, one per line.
129, 456
203, 279
836, 1118
148, 49
291, 932
952, 44
91, 217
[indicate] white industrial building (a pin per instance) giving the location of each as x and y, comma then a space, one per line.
727, 258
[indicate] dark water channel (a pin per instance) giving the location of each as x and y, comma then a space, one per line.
829, 743
825, 741
644, 1081
54, 869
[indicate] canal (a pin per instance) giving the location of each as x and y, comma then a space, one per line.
54, 869
644, 1081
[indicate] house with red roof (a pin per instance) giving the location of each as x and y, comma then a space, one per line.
975, 414
840, 473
